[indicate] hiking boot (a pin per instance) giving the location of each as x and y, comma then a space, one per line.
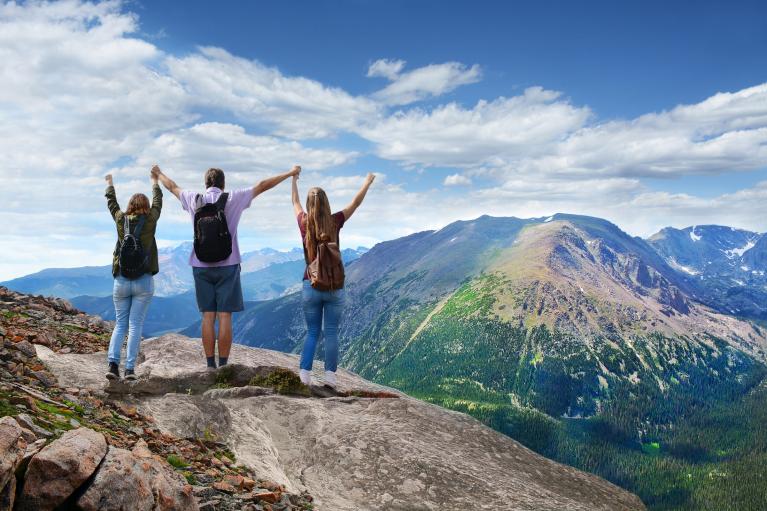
305, 376
130, 374
330, 379
114, 371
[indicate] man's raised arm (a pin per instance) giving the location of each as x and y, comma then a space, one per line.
271, 182
167, 182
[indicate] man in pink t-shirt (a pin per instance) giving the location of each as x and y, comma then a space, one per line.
217, 284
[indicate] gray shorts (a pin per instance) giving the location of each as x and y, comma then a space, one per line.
218, 288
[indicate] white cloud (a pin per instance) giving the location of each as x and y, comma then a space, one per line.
386, 68
244, 157
296, 107
493, 132
538, 132
456, 180
422, 83
77, 92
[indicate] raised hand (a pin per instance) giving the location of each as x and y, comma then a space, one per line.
155, 172
295, 171
370, 178
108, 179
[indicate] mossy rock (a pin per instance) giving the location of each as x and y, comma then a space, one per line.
283, 381
225, 375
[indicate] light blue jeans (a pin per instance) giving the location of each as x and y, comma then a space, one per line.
316, 304
131, 298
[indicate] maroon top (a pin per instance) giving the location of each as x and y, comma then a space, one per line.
338, 217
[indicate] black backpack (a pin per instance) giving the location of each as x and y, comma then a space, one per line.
212, 241
132, 258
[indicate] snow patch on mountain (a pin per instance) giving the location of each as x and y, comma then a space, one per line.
694, 236
672, 262
738, 252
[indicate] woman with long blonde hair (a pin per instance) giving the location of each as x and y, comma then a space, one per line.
134, 263
319, 225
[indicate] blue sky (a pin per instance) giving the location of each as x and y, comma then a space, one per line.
645, 113
621, 58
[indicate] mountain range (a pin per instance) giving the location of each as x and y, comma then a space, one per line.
589, 345
640, 360
266, 274
175, 275
725, 265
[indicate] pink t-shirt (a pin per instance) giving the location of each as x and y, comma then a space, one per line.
338, 217
237, 202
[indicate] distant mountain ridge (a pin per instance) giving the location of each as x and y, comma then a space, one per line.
175, 277
726, 266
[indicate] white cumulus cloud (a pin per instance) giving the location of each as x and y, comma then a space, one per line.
492, 132
295, 107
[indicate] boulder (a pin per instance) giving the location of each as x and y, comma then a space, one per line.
12, 447
32, 449
60, 468
130, 481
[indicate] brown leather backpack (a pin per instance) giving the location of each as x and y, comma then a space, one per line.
326, 272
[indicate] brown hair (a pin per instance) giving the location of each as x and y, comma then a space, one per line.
138, 205
214, 177
319, 222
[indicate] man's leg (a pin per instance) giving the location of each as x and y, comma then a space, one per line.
228, 300
204, 286
209, 333
224, 336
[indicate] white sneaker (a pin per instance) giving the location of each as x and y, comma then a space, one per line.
330, 379
306, 377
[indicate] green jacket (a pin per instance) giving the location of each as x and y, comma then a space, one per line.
147, 232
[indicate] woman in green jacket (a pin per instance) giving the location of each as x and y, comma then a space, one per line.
132, 295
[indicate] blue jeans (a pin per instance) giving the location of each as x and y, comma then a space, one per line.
316, 303
131, 298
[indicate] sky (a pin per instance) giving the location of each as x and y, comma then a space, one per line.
649, 114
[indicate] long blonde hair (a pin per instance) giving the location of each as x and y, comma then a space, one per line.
319, 222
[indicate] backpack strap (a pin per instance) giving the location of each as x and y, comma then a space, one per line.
139, 226
221, 202
126, 227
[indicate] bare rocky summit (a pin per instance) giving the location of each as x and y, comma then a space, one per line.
363, 447
80, 448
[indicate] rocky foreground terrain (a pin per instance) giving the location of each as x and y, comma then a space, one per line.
78, 448
249, 436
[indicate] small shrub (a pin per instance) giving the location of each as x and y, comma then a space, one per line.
283, 381
225, 374
177, 461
